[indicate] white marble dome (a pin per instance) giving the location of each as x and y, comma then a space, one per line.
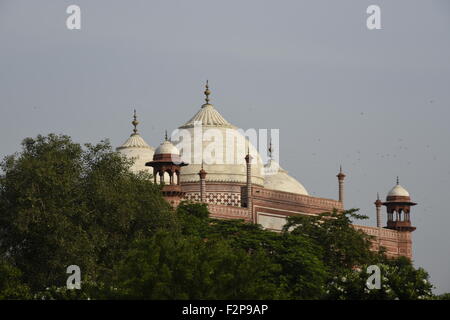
398, 191
278, 179
167, 148
136, 149
224, 149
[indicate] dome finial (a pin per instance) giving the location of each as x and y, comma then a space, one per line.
378, 196
398, 181
165, 136
207, 92
135, 122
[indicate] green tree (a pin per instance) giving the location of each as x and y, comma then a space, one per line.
347, 255
11, 284
296, 263
171, 266
344, 247
444, 296
399, 281
63, 204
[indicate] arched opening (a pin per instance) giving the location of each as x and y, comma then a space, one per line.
166, 177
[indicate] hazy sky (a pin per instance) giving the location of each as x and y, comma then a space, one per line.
376, 101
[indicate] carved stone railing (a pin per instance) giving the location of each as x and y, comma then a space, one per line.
229, 212
380, 232
296, 198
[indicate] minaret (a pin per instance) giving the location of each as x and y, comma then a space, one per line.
341, 177
248, 161
202, 174
378, 205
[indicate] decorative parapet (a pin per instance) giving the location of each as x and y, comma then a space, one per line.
229, 212
377, 232
286, 197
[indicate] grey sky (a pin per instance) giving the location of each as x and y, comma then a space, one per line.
375, 101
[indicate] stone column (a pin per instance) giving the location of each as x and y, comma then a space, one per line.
171, 177
178, 177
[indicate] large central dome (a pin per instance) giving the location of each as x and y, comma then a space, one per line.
207, 137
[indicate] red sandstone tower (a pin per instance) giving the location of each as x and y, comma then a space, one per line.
398, 204
167, 164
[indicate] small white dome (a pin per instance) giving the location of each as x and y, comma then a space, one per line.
136, 149
167, 148
398, 191
277, 178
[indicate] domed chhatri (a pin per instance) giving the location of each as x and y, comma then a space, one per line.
136, 149
398, 206
167, 164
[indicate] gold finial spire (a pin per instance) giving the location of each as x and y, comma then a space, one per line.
207, 92
135, 122
165, 137
398, 180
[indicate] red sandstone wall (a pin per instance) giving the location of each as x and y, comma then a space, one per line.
396, 243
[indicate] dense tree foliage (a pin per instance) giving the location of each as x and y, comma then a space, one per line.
64, 204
